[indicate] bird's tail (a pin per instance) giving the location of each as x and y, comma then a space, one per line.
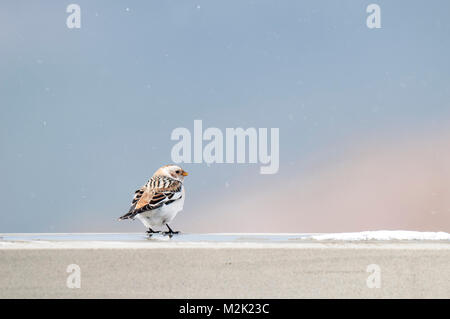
126, 216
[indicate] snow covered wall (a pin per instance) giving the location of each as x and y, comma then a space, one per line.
409, 265
384, 235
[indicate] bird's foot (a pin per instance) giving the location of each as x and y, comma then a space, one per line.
151, 232
170, 232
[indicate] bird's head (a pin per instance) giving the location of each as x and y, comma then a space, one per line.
172, 171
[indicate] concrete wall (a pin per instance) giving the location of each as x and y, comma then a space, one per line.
226, 270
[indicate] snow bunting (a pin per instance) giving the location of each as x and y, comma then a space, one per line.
157, 202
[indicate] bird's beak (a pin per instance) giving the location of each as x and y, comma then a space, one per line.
184, 173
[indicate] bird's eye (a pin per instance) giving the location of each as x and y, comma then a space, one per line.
178, 172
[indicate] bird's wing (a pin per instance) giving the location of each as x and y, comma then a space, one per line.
157, 192
136, 198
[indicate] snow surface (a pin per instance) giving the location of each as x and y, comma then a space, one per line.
365, 240
384, 235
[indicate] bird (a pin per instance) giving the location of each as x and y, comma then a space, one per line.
158, 202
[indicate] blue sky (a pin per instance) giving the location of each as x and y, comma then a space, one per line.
86, 115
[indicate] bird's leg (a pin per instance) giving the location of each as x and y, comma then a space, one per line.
170, 232
151, 231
